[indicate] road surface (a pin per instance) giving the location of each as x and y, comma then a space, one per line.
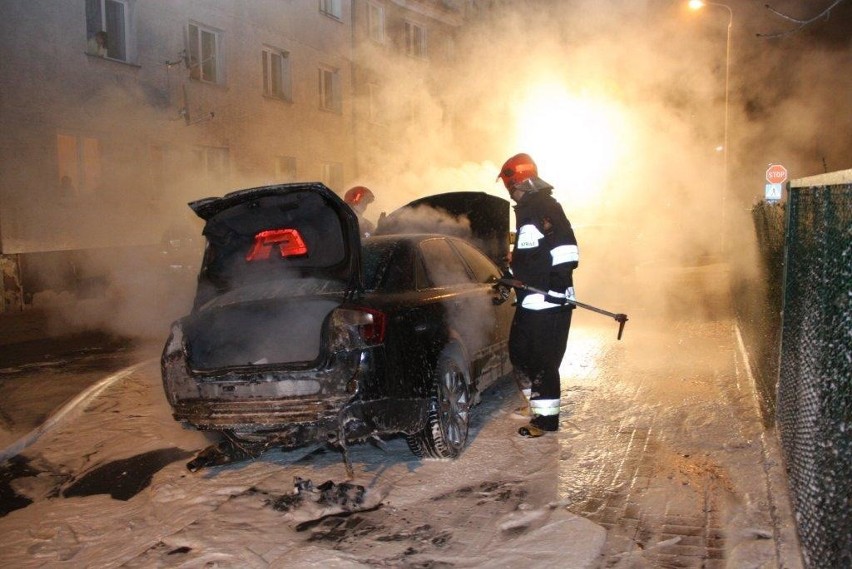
661, 461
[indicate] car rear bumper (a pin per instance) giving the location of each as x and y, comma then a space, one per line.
291, 407
297, 422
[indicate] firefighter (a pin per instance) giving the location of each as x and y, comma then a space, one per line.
544, 256
358, 198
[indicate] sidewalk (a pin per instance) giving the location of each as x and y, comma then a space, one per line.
662, 444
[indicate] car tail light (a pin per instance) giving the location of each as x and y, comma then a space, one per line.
357, 328
175, 342
289, 242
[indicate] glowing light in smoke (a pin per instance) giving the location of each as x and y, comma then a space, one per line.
576, 141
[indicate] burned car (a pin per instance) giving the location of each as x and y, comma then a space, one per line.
301, 332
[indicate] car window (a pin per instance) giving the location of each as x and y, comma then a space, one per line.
483, 268
420, 277
388, 265
443, 265
375, 259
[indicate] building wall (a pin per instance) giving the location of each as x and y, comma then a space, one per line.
394, 92
138, 135
151, 157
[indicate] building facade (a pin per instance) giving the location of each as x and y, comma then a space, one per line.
116, 113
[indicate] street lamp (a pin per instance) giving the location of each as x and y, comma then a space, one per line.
697, 5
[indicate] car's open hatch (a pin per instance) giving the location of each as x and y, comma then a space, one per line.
287, 234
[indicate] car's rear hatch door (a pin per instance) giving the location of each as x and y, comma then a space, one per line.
279, 259
478, 217
279, 233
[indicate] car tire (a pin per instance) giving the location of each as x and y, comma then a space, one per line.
445, 434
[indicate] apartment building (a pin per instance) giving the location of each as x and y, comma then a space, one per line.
116, 113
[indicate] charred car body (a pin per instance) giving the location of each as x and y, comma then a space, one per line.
302, 333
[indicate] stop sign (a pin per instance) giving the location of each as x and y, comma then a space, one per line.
776, 174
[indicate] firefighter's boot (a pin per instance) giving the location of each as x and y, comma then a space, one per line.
531, 431
540, 425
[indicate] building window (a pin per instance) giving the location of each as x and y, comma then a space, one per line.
285, 168
212, 166
332, 8
79, 162
204, 48
332, 175
329, 89
276, 74
109, 28
376, 22
415, 40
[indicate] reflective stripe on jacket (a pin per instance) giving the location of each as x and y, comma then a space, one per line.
545, 253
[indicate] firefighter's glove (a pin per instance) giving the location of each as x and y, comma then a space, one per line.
503, 293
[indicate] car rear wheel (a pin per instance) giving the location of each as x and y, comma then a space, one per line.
445, 434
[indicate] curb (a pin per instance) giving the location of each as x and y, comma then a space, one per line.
787, 548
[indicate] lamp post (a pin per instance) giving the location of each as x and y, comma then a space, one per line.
697, 5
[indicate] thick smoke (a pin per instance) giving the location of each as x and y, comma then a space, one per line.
424, 219
662, 211
644, 213
658, 234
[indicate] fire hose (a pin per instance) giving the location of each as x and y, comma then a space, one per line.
618, 317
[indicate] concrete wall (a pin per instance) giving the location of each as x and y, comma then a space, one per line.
11, 290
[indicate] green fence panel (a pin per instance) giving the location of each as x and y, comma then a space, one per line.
814, 398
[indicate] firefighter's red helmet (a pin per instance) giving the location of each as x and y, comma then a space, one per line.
519, 168
357, 195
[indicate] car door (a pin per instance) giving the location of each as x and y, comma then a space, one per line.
468, 310
495, 356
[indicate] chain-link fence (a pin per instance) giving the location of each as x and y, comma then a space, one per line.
814, 404
758, 304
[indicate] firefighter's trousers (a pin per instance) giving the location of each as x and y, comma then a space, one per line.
536, 345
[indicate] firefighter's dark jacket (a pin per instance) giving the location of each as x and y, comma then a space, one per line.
365, 226
545, 252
